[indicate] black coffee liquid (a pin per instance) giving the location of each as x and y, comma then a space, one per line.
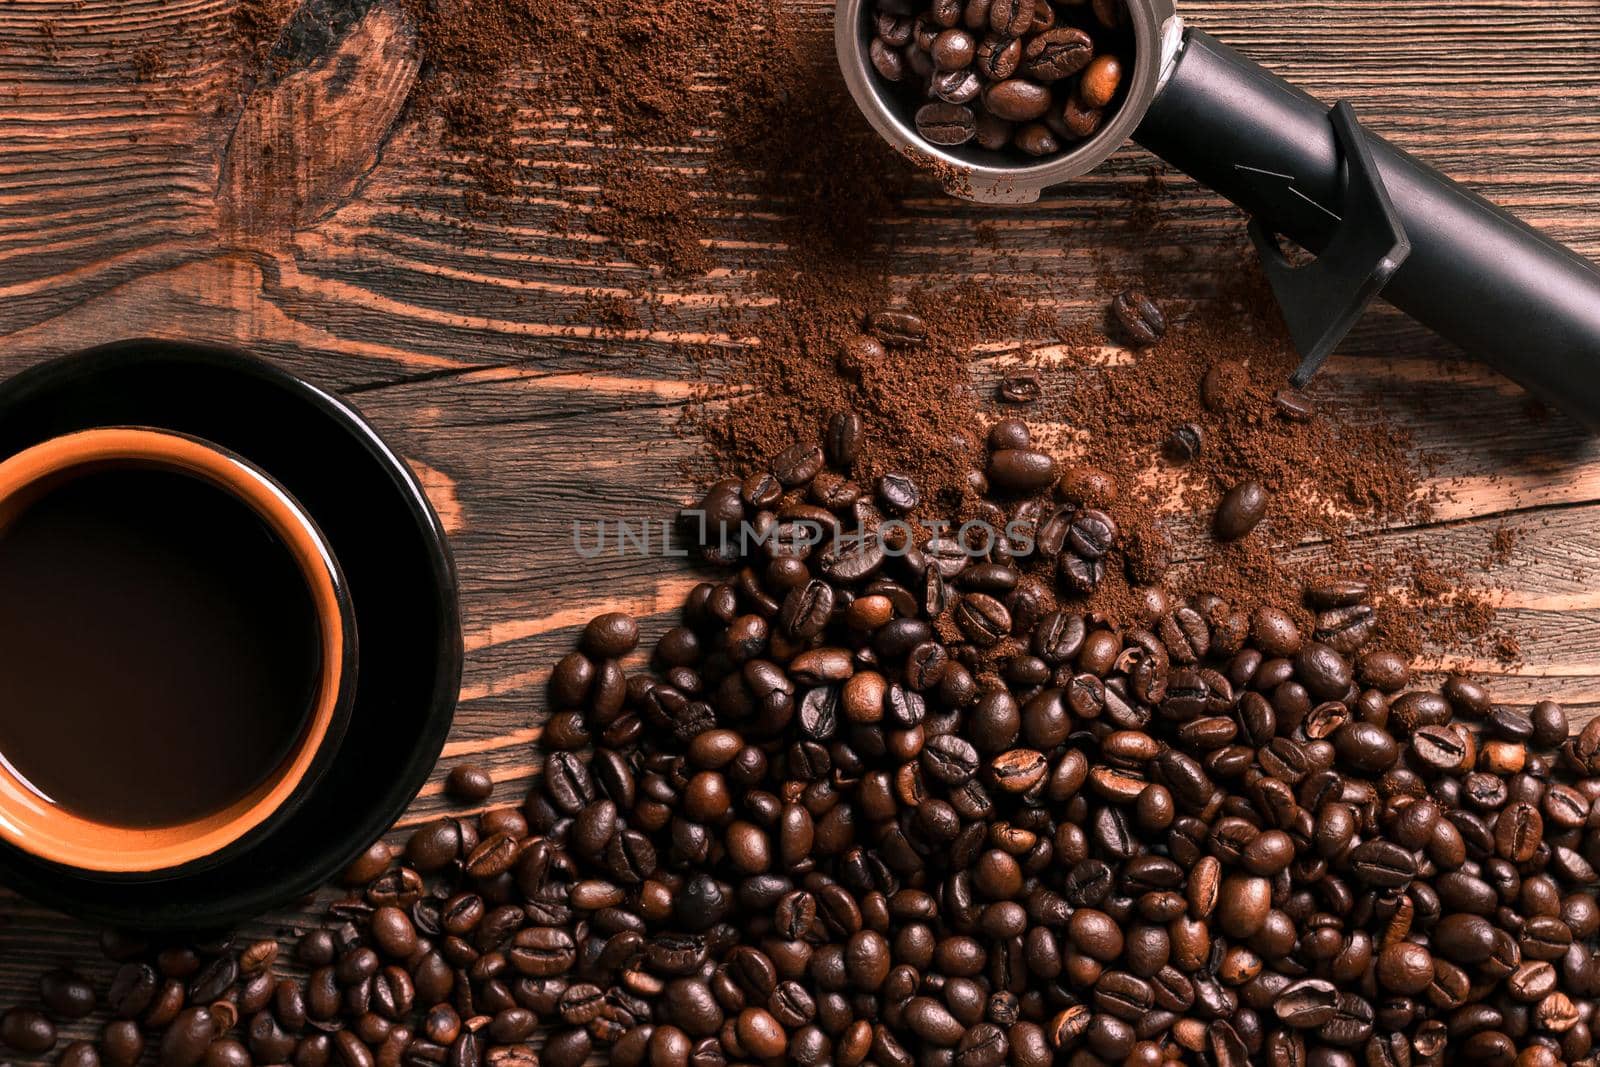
159, 649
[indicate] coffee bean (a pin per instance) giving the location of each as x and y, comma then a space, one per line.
1095, 934
983, 619
898, 493
997, 58
1293, 405
984, 1045
611, 635
932, 1022
1241, 509
1022, 469
1023, 387
133, 987
1017, 100
1036, 139
213, 980
1100, 81
184, 1042
66, 994
1519, 831
1141, 321
1186, 442
1351, 1024
1383, 864
79, 1054
27, 1031
761, 1034
1307, 1004
1019, 770
897, 328
542, 951
1465, 939
1057, 54
1405, 968
1011, 18
953, 50
1079, 119
122, 1043
886, 59
857, 558
1439, 747
949, 760
842, 436
1243, 904
567, 1048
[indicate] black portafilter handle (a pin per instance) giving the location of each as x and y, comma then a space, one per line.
1383, 221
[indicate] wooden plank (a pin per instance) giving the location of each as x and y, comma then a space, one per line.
136, 200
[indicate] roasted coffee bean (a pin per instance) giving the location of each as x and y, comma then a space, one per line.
1241, 509
1100, 81
133, 987
66, 994
1023, 387
1080, 120
1011, 18
1383, 864
1017, 100
1019, 770
798, 464
1022, 469
842, 437
1307, 1004
83, 1054
886, 59
983, 619
468, 783
27, 1031
1519, 831
1465, 939
1405, 967
213, 980
949, 760
997, 57
1057, 54
1293, 405
1351, 1024
184, 1042
1140, 320
1186, 442
121, 1043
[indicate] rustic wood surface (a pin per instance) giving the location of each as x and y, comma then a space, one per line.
310, 223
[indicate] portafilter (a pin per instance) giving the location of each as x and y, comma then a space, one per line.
1377, 219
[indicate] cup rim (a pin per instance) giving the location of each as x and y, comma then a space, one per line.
56, 835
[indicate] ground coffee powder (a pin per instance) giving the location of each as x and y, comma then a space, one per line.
643, 116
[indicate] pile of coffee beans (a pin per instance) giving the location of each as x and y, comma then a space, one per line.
1029, 76
896, 799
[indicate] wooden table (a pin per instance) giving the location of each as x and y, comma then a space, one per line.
126, 208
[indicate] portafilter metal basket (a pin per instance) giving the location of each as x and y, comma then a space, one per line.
1377, 219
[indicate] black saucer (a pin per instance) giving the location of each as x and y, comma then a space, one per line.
402, 580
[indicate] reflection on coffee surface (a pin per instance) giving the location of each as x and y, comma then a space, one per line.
159, 647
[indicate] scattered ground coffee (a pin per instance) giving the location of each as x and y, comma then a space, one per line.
735, 97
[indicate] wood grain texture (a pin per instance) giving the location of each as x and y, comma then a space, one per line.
302, 215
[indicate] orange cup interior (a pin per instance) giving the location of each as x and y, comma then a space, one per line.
59, 836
